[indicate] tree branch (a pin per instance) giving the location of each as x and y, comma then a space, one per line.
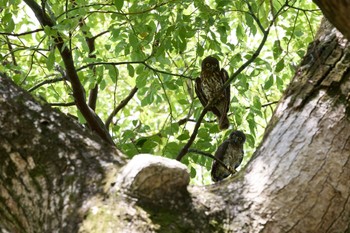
90, 116
121, 105
62, 104
133, 62
186, 119
184, 150
21, 34
54, 80
212, 157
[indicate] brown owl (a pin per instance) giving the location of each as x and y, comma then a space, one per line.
209, 84
230, 152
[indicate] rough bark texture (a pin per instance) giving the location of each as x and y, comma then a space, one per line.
56, 177
299, 180
45, 165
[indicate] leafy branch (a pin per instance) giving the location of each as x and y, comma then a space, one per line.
266, 32
94, 122
134, 62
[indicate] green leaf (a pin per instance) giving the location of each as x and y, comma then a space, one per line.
147, 100
50, 61
256, 102
172, 149
81, 118
119, 4
127, 134
193, 172
279, 66
131, 70
141, 81
277, 50
268, 84
8, 22
134, 42
184, 136
240, 32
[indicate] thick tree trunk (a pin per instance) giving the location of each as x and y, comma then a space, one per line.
337, 12
45, 165
299, 180
57, 177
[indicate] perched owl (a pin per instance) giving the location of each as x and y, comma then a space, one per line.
209, 84
230, 152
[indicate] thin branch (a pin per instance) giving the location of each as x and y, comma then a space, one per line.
121, 105
62, 104
115, 12
187, 119
133, 62
90, 116
191, 150
48, 81
184, 150
22, 33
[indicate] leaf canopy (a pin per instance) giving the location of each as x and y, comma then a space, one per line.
157, 46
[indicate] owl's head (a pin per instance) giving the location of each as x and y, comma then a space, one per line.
210, 63
237, 137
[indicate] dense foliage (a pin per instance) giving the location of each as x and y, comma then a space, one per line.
153, 49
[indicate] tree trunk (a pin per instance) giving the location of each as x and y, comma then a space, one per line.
57, 177
337, 12
299, 180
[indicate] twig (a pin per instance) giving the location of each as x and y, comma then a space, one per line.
184, 150
62, 104
121, 105
212, 157
54, 80
187, 119
133, 62
21, 34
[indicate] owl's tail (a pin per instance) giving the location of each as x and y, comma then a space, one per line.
223, 122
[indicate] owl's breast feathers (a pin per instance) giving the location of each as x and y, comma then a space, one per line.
211, 83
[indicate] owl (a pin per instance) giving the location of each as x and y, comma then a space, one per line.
230, 152
209, 84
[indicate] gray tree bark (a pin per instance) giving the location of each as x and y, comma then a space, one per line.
57, 177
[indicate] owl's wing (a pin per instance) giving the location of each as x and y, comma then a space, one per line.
239, 154
224, 76
217, 171
240, 159
199, 92
220, 154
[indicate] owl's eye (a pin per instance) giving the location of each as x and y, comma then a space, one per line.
240, 138
207, 64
